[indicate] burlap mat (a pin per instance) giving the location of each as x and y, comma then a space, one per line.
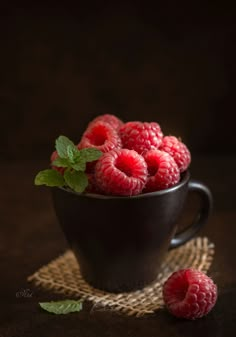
62, 275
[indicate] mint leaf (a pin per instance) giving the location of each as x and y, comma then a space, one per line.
72, 153
90, 154
62, 143
77, 181
62, 307
49, 178
61, 162
74, 160
80, 165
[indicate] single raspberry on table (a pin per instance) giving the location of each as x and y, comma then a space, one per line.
141, 136
100, 135
114, 121
53, 157
163, 171
178, 150
189, 293
121, 172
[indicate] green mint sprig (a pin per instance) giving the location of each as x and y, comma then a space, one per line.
62, 307
73, 161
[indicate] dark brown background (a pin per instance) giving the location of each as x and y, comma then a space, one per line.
62, 65
59, 67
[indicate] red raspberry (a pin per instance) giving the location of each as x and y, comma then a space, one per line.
100, 135
162, 169
177, 150
53, 157
90, 167
92, 186
121, 172
110, 119
141, 137
189, 293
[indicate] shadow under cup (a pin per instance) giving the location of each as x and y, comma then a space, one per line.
120, 242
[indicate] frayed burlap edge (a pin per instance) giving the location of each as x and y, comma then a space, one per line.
62, 275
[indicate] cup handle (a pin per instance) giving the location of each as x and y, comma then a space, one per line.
201, 216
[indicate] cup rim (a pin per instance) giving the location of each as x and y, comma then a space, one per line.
185, 176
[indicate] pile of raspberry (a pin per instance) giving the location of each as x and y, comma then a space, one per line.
137, 157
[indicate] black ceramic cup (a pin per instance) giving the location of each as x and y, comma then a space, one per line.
120, 242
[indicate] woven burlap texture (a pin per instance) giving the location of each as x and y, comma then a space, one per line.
62, 275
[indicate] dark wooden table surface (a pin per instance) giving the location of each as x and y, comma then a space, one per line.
31, 237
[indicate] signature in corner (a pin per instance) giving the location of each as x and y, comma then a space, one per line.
24, 293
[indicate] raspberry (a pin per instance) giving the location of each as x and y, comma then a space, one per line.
163, 172
90, 167
53, 157
110, 119
92, 186
141, 137
121, 172
189, 293
177, 150
100, 135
